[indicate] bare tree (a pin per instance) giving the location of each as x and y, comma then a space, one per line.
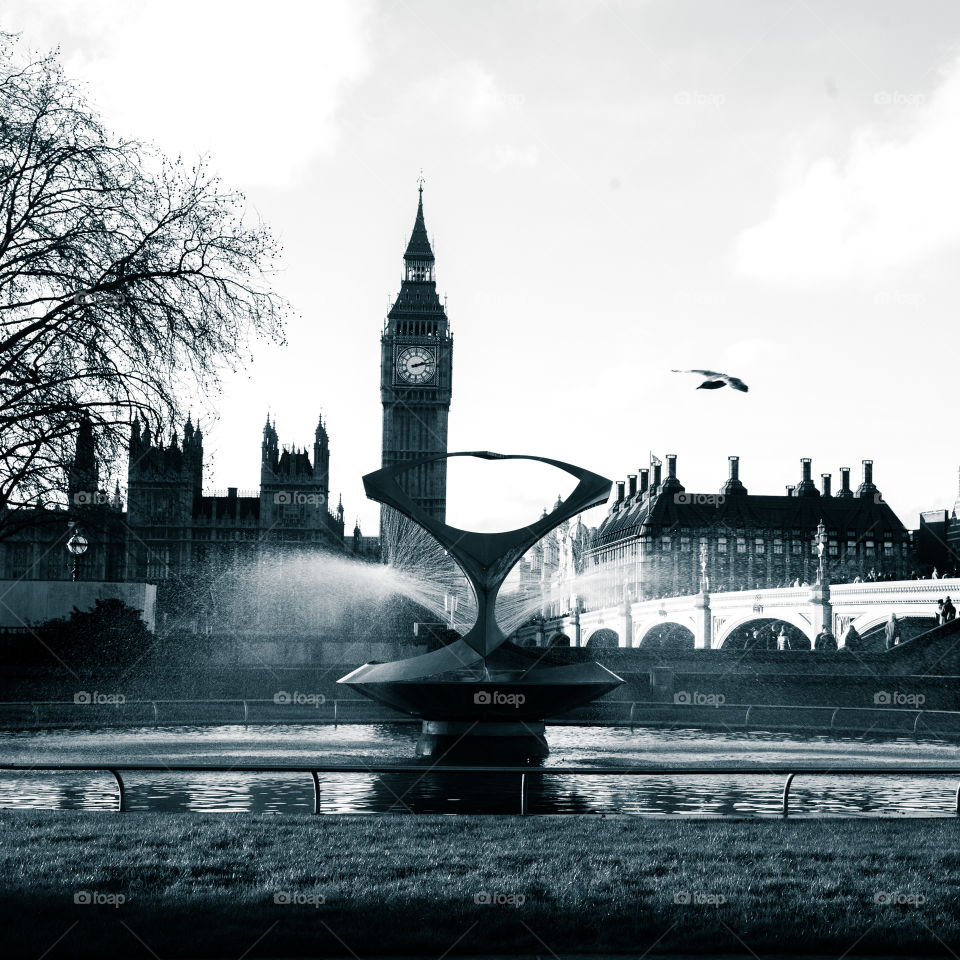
128, 282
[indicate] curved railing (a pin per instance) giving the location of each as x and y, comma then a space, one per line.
525, 774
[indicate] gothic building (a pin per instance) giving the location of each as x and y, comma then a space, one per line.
416, 369
654, 536
169, 523
173, 524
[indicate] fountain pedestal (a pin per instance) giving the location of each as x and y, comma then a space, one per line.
483, 697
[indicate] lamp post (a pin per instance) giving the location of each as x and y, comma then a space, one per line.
450, 604
821, 545
704, 582
77, 546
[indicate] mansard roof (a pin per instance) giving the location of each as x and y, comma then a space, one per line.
638, 517
417, 298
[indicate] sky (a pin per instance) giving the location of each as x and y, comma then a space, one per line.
613, 190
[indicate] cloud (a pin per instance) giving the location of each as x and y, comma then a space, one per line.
259, 87
469, 92
891, 203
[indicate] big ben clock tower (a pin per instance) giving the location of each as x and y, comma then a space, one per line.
416, 372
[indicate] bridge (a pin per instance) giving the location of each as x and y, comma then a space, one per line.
709, 620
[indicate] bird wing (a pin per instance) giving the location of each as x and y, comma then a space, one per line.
737, 384
704, 373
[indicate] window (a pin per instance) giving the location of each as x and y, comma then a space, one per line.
722, 545
778, 545
851, 546
834, 549
684, 544
758, 546
796, 547
665, 544
888, 548
741, 544
869, 548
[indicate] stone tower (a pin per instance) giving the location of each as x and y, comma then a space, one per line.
416, 370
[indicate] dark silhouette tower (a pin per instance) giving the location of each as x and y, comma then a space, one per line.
416, 368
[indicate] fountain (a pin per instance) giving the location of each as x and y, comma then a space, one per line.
483, 696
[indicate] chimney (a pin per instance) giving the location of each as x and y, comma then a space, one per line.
844, 490
672, 484
733, 484
868, 488
790, 489
620, 486
825, 479
644, 481
632, 483
232, 493
655, 486
806, 487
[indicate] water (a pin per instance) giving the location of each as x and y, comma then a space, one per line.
400, 792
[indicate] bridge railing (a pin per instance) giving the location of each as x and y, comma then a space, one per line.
524, 774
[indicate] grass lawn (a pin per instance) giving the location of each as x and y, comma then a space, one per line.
172, 885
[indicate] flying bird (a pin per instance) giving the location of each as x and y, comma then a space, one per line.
716, 380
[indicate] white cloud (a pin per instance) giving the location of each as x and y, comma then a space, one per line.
257, 86
469, 92
891, 203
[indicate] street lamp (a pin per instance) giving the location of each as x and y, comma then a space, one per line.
704, 582
821, 545
77, 546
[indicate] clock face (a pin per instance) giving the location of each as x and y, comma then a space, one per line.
416, 365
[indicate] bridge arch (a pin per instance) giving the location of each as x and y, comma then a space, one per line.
560, 640
604, 639
667, 635
732, 626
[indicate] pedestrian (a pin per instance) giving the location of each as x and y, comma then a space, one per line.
949, 610
782, 642
851, 639
892, 631
825, 640
939, 611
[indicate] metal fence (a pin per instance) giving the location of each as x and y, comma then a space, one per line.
524, 774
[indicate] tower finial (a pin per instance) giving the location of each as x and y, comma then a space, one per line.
421, 182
